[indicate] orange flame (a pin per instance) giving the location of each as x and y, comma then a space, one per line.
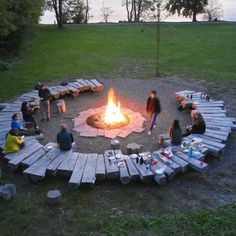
113, 112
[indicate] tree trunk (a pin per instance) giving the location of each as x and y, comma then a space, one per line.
60, 25
135, 10
139, 9
86, 12
158, 39
127, 10
194, 16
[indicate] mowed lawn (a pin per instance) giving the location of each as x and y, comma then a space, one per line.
201, 51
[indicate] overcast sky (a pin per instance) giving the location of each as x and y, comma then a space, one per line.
229, 7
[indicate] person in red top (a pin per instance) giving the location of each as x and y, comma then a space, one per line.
153, 108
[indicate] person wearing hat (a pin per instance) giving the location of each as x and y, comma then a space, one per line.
65, 139
153, 108
45, 96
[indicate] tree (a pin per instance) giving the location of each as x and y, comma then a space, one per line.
106, 12
187, 8
56, 5
68, 11
87, 12
214, 10
17, 19
149, 10
133, 9
160, 6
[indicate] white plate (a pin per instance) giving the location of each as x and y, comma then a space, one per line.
112, 158
159, 171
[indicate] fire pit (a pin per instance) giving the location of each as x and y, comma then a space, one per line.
112, 117
110, 121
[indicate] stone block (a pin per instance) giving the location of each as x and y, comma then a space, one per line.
54, 196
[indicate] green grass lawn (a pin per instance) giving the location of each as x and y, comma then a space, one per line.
203, 51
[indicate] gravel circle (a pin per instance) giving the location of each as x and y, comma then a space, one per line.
132, 93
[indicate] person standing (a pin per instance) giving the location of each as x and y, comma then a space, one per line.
65, 139
153, 108
45, 96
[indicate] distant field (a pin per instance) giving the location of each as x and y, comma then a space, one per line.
203, 51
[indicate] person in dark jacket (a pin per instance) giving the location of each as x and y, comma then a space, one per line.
153, 108
175, 133
65, 139
28, 115
198, 125
45, 96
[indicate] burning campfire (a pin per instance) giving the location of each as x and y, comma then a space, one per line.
112, 117
113, 113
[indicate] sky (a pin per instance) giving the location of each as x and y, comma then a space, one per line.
119, 12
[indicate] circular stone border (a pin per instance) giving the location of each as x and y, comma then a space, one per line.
85, 130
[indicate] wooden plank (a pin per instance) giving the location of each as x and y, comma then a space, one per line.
37, 171
218, 132
168, 171
52, 167
89, 174
86, 86
157, 170
100, 169
169, 162
221, 137
27, 147
145, 174
77, 173
67, 165
213, 150
97, 83
210, 142
34, 157
15, 162
183, 164
225, 129
112, 170
133, 172
124, 173
197, 165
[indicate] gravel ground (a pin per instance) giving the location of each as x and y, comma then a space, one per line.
132, 94
189, 191
185, 192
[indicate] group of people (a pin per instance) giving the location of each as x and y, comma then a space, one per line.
153, 108
15, 137
65, 140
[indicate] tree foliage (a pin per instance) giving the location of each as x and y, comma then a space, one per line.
106, 12
187, 8
213, 10
69, 11
16, 18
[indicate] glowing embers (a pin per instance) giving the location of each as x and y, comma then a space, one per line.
112, 117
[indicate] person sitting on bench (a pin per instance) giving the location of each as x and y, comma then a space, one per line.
14, 142
198, 125
175, 133
65, 139
15, 124
28, 116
